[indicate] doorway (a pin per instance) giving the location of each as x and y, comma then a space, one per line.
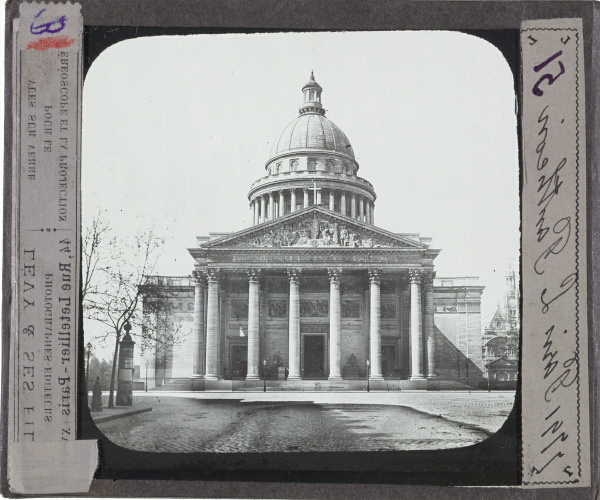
239, 361
388, 361
314, 356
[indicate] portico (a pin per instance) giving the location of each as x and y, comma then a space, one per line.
291, 290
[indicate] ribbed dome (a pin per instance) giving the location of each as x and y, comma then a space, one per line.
312, 131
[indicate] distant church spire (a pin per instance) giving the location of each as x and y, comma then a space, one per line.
312, 97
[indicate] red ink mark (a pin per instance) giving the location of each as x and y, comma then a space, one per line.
51, 42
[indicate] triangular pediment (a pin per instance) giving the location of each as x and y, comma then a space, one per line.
498, 318
314, 227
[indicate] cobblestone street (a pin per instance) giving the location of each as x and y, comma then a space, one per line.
233, 422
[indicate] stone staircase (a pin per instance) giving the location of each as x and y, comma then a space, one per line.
174, 385
316, 385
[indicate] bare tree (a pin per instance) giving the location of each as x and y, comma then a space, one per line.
94, 240
114, 279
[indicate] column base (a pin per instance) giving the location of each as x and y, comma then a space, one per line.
417, 377
432, 375
376, 377
253, 377
198, 383
211, 377
335, 378
292, 378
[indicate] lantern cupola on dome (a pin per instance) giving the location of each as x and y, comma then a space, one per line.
312, 97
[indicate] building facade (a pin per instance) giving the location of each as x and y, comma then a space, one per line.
500, 350
314, 291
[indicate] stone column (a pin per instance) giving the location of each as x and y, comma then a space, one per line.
368, 212
318, 197
416, 325
198, 354
428, 322
271, 206
335, 326
263, 209
256, 216
375, 324
253, 325
373, 213
281, 203
305, 198
331, 199
353, 206
293, 200
212, 325
361, 209
343, 203
294, 326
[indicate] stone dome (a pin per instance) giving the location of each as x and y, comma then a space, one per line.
312, 131
312, 163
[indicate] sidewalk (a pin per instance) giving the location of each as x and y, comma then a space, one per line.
107, 414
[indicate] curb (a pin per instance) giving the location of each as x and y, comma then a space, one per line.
120, 415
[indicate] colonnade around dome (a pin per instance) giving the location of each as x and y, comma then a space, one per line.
279, 202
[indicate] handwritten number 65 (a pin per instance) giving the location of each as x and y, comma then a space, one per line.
52, 27
551, 79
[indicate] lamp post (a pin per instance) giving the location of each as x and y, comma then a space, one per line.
368, 375
147, 363
89, 355
264, 375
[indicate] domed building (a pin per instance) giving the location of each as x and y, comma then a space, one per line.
313, 295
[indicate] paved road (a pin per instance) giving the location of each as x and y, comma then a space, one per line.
260, 423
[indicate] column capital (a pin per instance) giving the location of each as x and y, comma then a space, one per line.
271, 194
415, 275
254, 274
294, 274
306, 190
199, 276
428, 277
334, 275
375, 275
280, 191
213, 274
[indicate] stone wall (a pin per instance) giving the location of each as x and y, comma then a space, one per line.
457, 320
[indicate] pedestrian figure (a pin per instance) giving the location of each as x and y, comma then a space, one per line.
97, 396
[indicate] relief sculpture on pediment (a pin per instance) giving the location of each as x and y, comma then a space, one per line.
315, 232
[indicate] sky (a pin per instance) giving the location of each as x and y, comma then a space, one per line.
176, 129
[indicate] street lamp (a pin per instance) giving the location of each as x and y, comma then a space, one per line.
264, 375
147, 363
89, 355
368, 374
